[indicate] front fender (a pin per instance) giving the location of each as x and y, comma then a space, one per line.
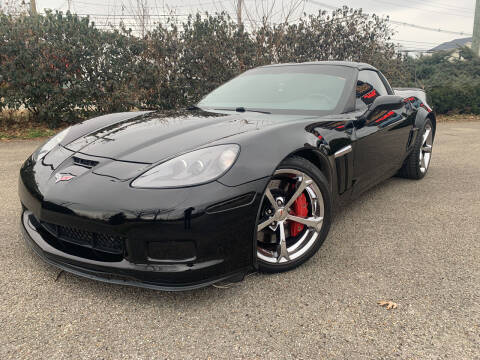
263, 150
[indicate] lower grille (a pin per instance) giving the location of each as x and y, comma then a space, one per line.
112, 244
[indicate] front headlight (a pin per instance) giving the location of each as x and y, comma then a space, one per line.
49, 145
193, 168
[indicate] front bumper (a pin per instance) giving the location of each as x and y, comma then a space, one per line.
218, 221
123, 272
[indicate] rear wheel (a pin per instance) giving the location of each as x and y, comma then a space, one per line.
295, 216
417, 163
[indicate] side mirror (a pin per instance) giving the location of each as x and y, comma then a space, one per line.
384, 102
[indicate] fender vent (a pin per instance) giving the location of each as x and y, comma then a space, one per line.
342, 173
344, 164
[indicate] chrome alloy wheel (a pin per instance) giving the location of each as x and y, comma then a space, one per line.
276, 244
425, 153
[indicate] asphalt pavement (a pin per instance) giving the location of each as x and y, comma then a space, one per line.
416, 243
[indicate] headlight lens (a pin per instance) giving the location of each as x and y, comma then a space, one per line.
49, 145
193, 168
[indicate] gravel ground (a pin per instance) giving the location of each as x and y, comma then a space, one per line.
416, 243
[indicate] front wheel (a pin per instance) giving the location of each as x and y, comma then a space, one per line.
295, 216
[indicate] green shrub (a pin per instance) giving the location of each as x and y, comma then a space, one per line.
452, 82
63, 69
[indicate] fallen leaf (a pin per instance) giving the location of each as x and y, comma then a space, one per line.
59, 274
389, 304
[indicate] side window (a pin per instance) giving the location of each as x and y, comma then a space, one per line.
369, 86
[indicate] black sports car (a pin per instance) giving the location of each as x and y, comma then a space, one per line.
244, 180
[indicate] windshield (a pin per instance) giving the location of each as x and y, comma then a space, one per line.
285, 89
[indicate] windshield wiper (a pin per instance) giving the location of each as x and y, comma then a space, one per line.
241, 109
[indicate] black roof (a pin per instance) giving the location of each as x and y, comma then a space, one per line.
352, 64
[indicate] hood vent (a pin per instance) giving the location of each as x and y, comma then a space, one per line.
84, 162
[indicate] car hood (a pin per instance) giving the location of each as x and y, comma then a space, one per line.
151, 137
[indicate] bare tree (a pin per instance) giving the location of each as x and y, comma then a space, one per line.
145, 14
142, 16
261, 12
13, 7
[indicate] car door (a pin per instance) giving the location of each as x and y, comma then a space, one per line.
381, 140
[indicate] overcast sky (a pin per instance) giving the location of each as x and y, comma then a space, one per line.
440, 14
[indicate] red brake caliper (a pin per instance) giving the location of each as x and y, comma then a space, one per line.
299, 209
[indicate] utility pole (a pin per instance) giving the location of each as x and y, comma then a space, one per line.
239, 12
69, 2
143, 15
33, 7
476, 30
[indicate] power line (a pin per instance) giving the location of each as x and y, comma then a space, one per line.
133, 15
399, 22
429, 28
445, 6
323, 4
422, 51
416, 42
416, 7
328, 6
156, 7
61, 6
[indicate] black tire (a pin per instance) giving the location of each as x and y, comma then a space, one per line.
309, 169
412, 168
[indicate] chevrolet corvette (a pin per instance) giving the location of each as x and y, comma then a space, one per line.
245, 180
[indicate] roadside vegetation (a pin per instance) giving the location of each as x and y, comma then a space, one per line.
451, 82
58, 69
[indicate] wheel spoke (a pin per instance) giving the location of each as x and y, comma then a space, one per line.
426, 160
422, 162
425, 135
427, 148
311, 222
283, 252
306, 181
264, 224
270, 198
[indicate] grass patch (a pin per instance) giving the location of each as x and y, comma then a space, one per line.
18, 124
458, 117
27, 133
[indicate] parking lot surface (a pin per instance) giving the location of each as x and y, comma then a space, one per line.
416, 243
